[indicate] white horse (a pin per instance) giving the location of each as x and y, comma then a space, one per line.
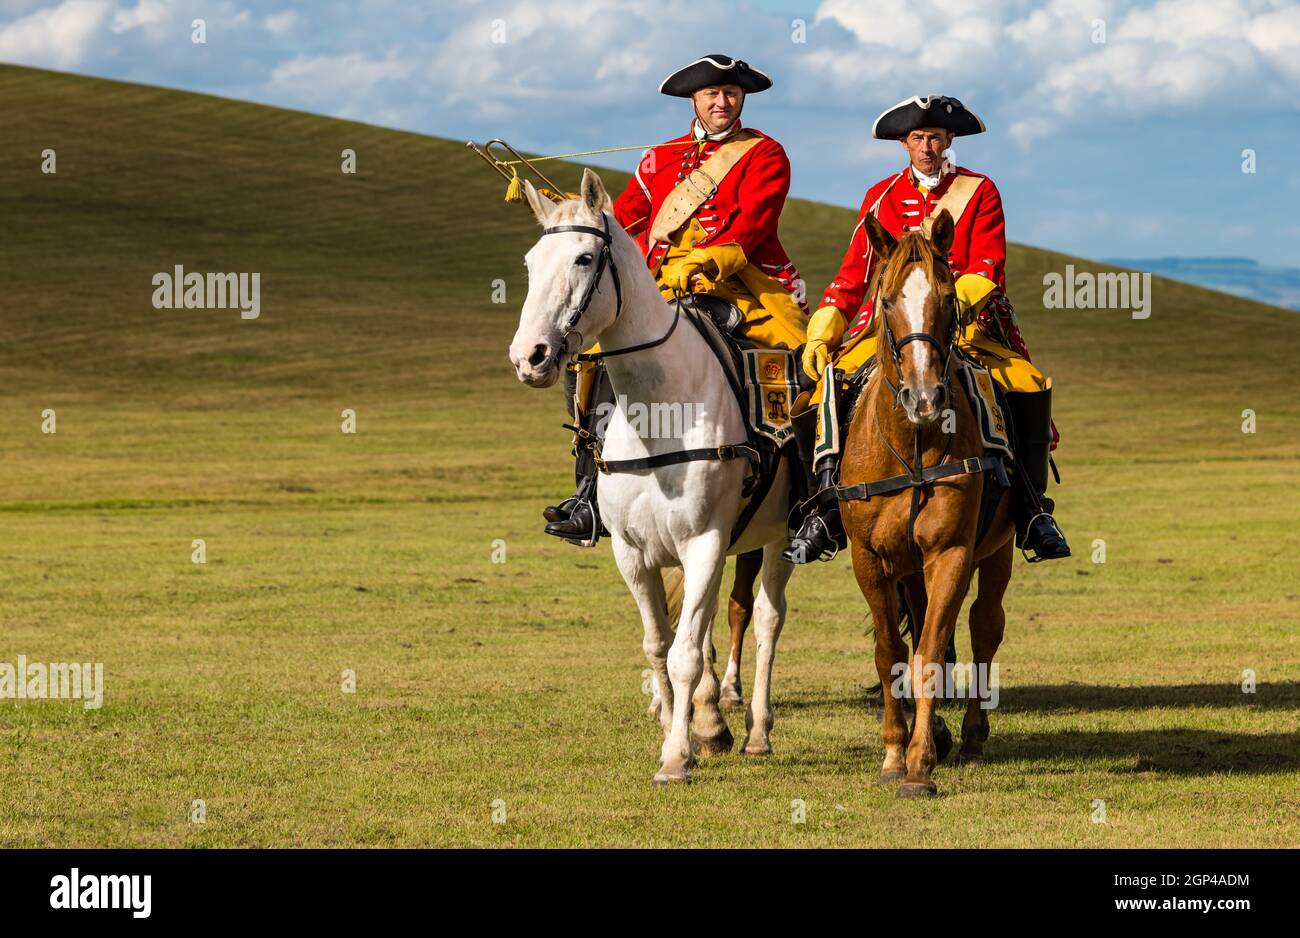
588, 282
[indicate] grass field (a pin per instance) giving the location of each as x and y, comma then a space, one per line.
521, 681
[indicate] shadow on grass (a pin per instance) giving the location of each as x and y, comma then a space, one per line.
1173, 751
1055, 698
1176, 750
1044, 698
1135, 753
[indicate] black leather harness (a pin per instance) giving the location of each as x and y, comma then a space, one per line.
918, 476
604, 262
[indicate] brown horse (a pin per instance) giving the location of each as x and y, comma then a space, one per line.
914, 417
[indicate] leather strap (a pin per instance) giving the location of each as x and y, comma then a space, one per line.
700, 186
960, 192
718, 453
865, 490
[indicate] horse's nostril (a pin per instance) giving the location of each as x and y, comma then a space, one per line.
905, 394
939, 394
539, 355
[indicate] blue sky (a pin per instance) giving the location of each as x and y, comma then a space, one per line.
1115, 128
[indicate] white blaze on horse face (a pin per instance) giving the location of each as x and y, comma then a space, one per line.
916, 291
536, 348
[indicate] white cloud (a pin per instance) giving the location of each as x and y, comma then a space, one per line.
144, 13
281, 24
58, 36
339, 84
1041, 67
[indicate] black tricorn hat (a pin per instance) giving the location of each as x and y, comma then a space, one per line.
714, 69
934, 111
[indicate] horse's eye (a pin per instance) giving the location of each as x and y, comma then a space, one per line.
583, 260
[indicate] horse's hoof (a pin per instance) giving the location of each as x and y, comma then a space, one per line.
663, 778
942, 738
732, 702
713, 745
893, 775
970, 758
652, 711
917, 790
756, 749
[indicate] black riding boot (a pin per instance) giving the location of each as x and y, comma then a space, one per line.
577, 518
820, 535
1037, 533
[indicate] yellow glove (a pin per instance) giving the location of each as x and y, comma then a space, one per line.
825, 329
717, 262
972, 291
676, 276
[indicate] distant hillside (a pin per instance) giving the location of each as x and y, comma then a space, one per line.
377, 288
1240, 276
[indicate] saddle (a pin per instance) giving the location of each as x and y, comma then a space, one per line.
765, 383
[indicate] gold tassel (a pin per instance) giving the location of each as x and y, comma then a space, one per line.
515, 190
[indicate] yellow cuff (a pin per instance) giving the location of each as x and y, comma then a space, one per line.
827, 325
725, 259
973, 290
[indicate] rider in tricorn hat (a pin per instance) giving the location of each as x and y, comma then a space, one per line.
840, 331
704, 208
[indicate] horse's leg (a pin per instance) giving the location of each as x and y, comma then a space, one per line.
769, 616
987, 620
947, 578
703, 561
647, 588
710, 735
914, 589
740, 609
881, 594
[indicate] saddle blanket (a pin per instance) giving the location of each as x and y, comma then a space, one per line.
979, 387
771, 385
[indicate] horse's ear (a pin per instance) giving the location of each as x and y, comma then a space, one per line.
882, 242
542, 206
942, 231
594, 195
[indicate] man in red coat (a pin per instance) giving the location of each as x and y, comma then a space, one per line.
704, 208
840, 332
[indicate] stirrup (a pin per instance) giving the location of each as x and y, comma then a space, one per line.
797, 554
591, 538
560, 512
1037, 556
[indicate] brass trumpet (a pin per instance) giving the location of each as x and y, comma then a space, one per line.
507, 167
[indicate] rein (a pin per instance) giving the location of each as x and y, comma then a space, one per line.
916, 475
723, 453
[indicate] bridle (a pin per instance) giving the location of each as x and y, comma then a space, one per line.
604, 260
917, 475
943, 346
723, 453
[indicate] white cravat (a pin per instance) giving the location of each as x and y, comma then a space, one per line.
698, 131
931, 181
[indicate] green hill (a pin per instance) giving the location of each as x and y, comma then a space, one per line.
371, 551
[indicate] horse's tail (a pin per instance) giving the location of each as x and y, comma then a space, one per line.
673, 581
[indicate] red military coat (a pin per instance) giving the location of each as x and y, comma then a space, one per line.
744, 210
979, 244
